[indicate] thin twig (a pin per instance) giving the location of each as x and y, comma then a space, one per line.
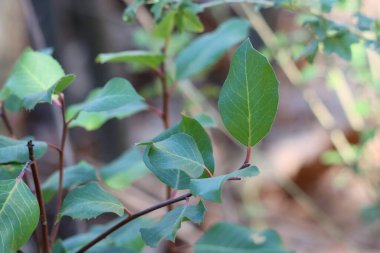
4, 117
131, 218
55, 230
248, 155
37, 185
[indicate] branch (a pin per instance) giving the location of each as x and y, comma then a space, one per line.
143, 212
131, 218
37, 185
61, 164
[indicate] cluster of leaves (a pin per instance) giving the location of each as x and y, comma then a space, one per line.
181, 156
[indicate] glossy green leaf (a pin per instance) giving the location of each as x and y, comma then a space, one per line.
225, 237
180, 152
249, 96
89, 201
36, 77
12, 150
146, 58
77, 174
176, 178
125, 170
165, 27
167, 228
19, 214
211, 188
207, 49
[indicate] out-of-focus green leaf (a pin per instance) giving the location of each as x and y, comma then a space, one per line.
36, 77
80, 173
205, 120
117, 99
146, 58
89, 201
187, 20
19, 214
225, 237
167, 228
130, 12
310, 51
249, 97
340, 43
12, 150
208, 48
165, 27
327, 5
10, 171
364, 23
125, 170
210, 188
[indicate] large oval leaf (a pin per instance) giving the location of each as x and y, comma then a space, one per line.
225, 237
19, 214
249, 97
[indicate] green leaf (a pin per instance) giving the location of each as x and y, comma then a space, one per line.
128, 237
340, 43
165, 27
89, 201
36, 77
175, 178
130, 12
187, 20
146, 58
125, 170
364, 23
115, 94
326, 5
10, 171
117, 99
249, 96
207, 121
12, 150
310, 51
93, 120
207, 49
58, 247
80, 173
225, 237
167, 228
19, 214
210, 188
179, 152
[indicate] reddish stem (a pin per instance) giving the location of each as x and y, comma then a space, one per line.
4, 117
248, 156
37, 185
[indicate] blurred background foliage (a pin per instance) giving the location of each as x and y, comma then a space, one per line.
320, 183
